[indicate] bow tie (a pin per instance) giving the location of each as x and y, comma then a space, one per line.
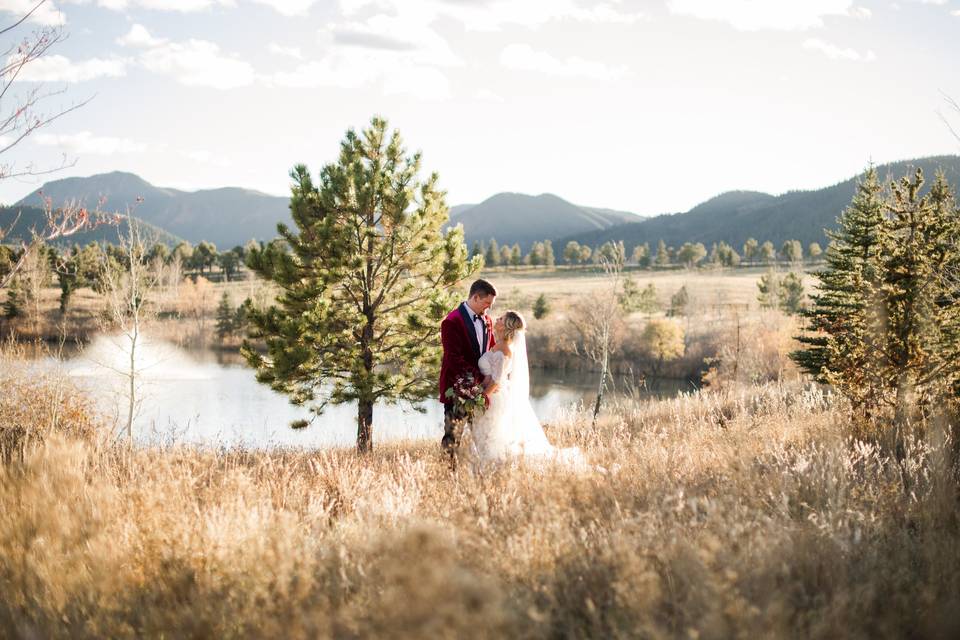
477, 317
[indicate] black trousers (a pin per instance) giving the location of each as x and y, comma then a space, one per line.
451, 430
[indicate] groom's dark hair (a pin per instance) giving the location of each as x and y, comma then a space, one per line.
482, 287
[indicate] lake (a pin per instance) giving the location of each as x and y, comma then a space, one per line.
194, 395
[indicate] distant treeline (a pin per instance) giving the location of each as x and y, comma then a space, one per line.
688, 255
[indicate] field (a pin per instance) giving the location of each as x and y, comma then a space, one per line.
743, 513
745, 510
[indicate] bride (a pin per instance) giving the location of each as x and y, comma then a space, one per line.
509, 430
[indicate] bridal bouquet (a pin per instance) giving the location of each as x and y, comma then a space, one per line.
467, 397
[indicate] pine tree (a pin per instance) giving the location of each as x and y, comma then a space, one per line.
769, 286
548, 258
750, 248
679, 302
516, 256
477, 249
536, 256
368, 277
505, 255
790, 294
663, 258
838, 339
635, 299
492, 257
13, 307
541, 307
225, 316
571, 252
921, 350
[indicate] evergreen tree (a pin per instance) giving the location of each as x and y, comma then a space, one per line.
790, 294
750, 249
505, 255
13, 306
663, 257
920, 361
769, 286
585, 254
536, 256
541, 307
641, 255
839, 341
225, 318
81, 268
369, 275
477, 249
571, 252
679, 302
548, 258
492, 257
635, 299
516, 257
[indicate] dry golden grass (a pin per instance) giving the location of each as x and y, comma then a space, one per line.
744, 513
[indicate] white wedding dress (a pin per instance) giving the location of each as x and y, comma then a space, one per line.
509, 431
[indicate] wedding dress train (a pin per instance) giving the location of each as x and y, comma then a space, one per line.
509, 430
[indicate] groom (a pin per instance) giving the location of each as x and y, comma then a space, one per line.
466, 334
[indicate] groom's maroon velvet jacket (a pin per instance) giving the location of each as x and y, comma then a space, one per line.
461, 350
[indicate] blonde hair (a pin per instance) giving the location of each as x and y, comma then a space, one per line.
513, 323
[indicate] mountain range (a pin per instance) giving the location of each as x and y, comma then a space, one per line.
227, 217
517, 218
231, 216
735, 216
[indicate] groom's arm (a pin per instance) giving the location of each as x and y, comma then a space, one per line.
454, 347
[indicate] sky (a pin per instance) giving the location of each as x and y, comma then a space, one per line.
650, 106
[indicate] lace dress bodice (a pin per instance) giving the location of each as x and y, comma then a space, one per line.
496, 365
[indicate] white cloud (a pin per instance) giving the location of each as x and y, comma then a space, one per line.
198, 63
281, 50
181, 6
289, 7
834, 52
525, 58
862, 13
57, 68
487, 15
754, 15
85, 143
138, 36
405, 36
361, 68
283, 7
955, 13
46, 14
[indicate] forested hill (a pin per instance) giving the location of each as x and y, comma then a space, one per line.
735, 216
227, 216
517, 218
29, 219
